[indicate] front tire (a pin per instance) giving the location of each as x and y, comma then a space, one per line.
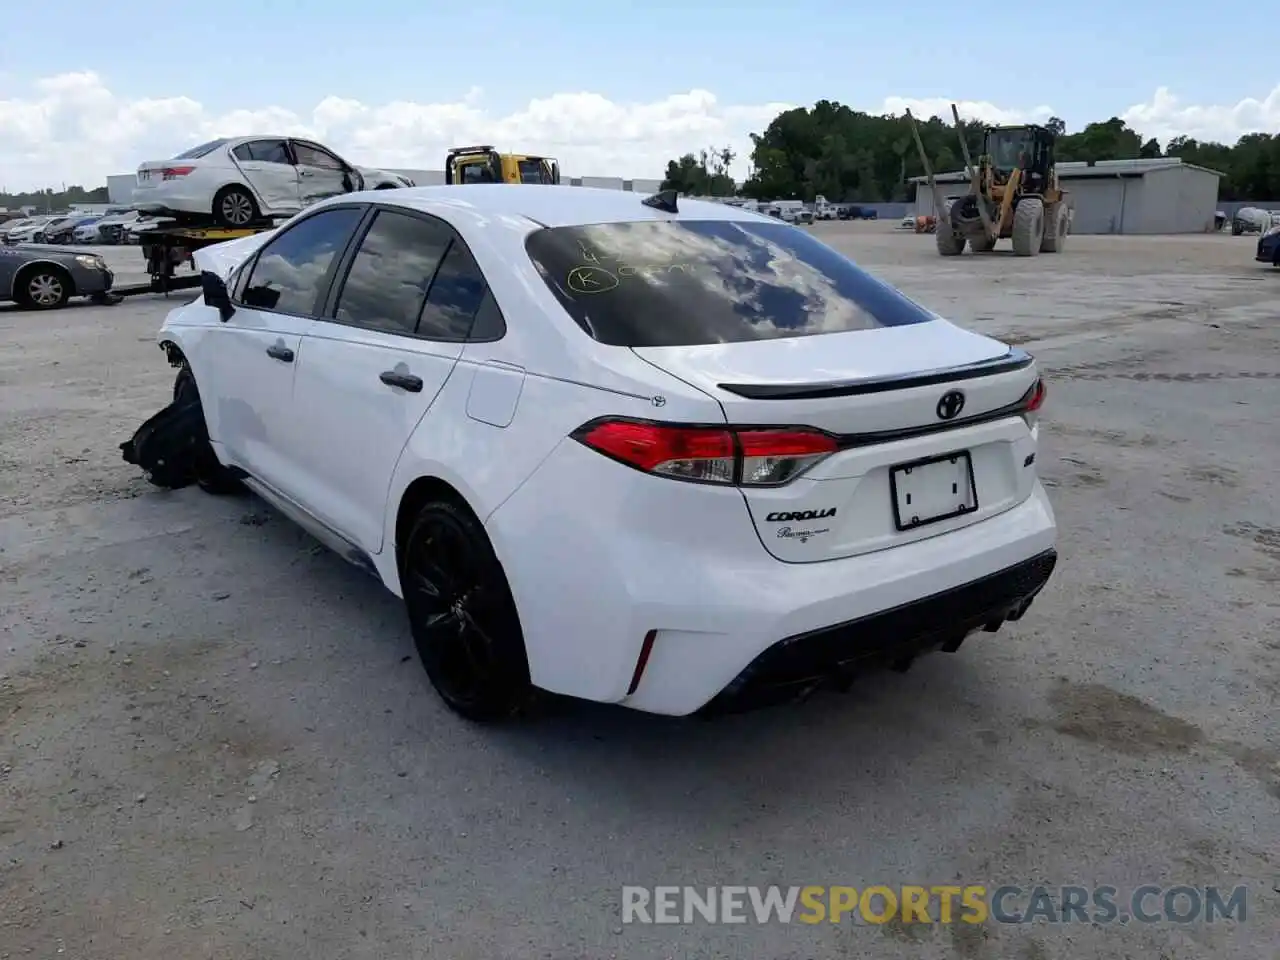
43, 288
235, 207
462, 615
1028, 227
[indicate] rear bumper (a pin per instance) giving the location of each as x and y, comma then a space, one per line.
833, 655
600, 557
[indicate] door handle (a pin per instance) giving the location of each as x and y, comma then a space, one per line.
279, 351
405, 381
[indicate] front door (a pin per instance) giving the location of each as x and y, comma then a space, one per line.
249, 362
376, 363
321, 174
269, 170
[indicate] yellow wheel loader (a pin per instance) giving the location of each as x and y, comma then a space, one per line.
1013, 194
484, 164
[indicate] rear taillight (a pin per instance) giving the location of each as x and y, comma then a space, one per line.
174, 173
745, 456
1032, 401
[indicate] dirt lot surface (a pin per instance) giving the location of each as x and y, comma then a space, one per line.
215, 740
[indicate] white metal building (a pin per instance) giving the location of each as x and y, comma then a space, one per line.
1161, 195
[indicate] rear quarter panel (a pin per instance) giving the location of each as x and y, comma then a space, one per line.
565, 379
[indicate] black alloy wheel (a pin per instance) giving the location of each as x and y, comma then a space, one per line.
462, 615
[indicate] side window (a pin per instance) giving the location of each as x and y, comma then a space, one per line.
489, 323
310, 155
263, 151
390, 273
454, 298
291, 273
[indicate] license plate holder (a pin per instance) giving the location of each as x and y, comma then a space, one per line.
932, 490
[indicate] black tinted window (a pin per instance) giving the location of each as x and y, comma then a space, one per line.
290, 274
264, 151
489, 323
665, 283
391, 272
532, 171
456, 295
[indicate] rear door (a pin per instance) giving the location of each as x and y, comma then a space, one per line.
389, 341
321, 174
269, 170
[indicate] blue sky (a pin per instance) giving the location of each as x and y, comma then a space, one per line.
612, 90
1103, 58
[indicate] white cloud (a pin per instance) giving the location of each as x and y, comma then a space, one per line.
73, 129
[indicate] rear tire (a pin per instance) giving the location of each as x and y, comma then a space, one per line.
950, 242
235, 207
463, 616
1028, 227
1055, 228
211, 476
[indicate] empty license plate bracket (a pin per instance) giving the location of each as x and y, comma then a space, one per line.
932, 490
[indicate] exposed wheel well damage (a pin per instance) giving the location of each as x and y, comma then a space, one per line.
173, 353
422, 491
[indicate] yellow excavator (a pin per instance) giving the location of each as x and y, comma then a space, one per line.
484, 164
1013, 193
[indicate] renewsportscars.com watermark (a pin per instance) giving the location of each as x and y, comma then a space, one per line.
944, 903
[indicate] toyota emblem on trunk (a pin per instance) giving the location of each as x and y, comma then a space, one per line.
950, 405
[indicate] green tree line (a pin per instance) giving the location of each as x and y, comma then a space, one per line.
53, 200
846, 155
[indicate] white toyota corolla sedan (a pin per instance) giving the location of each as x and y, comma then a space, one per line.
668, 454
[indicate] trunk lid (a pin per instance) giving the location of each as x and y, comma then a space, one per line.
222, 258
880, 392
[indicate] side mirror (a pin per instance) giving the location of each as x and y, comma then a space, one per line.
216, 294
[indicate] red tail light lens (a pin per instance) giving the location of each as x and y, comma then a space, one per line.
1035, 396
727, 455
173, 173
1032, 401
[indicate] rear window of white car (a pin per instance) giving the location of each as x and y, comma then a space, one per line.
671, 283
195, 153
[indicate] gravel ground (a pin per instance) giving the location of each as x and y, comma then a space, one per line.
215, 740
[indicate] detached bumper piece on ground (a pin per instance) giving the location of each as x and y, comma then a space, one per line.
832, 657
169, 444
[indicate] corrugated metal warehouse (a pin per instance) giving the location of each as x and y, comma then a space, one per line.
1162, 195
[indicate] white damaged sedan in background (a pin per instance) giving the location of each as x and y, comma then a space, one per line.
245, 180
667, 454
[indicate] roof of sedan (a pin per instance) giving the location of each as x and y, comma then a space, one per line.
556, 206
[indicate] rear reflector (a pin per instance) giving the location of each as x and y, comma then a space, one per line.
728, 455
642, 661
